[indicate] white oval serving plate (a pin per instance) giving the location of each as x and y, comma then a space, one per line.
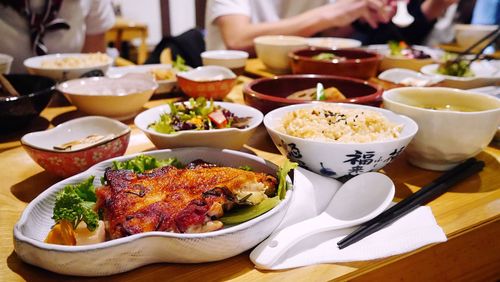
123, 254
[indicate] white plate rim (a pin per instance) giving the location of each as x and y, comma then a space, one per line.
19, 236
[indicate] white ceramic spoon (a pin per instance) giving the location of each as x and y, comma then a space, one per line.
358, 200
402, 17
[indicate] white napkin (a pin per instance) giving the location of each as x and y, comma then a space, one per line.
312, 193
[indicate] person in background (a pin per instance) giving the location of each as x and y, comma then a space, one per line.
38, 27
426, 14
233, 24
486, 12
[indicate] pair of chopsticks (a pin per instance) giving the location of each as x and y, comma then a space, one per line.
432, 190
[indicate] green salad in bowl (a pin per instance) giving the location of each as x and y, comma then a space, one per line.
199, 123
452, 66
198, 114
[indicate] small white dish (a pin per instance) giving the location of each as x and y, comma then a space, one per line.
119, 98
124, 254
229, 138
164, 85
333, 42
232, 59
485, 73
34, 66
408, 77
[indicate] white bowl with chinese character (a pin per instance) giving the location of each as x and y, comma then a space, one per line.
332, 158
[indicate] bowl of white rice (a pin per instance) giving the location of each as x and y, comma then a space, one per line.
337, 140
62, 67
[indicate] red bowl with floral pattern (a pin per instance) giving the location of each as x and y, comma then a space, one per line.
76, 145
211, 82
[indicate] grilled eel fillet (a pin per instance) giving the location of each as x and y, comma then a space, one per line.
177, 200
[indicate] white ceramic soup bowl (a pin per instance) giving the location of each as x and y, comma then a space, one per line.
339, 159
273, 50
445, 137
119, 98
35, 66
468, 34
231, 59
228, 138
124, 254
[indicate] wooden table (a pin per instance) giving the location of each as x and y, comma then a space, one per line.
126, 30
469, 215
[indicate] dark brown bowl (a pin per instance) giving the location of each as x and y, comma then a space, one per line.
267, 94
35, 93
359, 63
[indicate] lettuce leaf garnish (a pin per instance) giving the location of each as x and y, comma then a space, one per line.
144, 163
75, 203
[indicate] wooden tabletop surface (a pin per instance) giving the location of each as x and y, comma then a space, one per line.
469, 215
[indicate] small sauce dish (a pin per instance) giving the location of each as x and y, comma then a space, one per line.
46, 147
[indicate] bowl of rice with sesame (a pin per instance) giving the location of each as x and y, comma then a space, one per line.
337, 140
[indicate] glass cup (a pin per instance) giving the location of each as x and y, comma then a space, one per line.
5, 63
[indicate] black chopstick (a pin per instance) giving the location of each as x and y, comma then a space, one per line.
479, 54
427, 193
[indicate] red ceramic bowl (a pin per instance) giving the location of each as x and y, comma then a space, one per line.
211, 82
358, 63
39, 145
267, 94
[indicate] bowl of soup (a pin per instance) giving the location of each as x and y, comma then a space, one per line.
267, 94
344, 62
119, 98
453, 124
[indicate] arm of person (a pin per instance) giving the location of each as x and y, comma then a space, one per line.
238, 32
433, 9
94, 43
99, 19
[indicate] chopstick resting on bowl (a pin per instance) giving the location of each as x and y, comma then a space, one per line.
424, 195
7, 86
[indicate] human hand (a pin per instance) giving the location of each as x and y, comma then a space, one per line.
344, 12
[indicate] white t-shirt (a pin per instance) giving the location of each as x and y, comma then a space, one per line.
84, 17
258, 10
